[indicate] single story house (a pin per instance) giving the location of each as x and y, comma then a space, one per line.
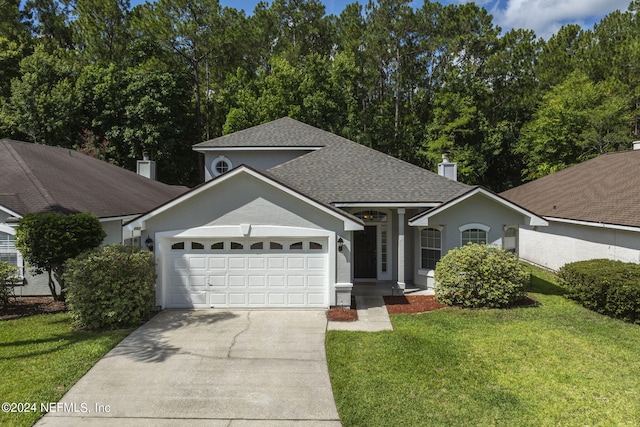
593, 210
41, 178
291, 216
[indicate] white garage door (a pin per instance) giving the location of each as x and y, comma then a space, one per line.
247, 273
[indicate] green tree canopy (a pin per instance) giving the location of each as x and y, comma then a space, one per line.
47, 240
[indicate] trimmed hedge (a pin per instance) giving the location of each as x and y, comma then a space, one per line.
605, 286
111, 287
480, 276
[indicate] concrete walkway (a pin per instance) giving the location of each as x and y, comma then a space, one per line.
372, 316
209, 367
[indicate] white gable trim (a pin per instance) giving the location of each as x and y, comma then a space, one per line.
349, 223
10, 212
422, 220
594, 224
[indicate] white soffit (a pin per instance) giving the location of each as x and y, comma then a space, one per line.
594, 224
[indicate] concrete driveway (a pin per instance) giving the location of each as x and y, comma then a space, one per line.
209, 367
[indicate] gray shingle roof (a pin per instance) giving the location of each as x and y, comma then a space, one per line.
40, 178
283, 132
605, 189
343, 171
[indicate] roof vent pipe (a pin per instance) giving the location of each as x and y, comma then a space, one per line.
447, 168
636, 145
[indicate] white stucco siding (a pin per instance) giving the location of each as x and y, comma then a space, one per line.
245, 200
260, 159
113, 229
478, 209
242, 199
561, 243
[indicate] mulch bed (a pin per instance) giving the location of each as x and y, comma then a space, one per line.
340, 314
30, 306
411, 304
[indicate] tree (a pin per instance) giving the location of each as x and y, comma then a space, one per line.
576, 121
47, 240
43, 107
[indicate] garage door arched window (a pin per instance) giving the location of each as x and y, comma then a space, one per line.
474, 233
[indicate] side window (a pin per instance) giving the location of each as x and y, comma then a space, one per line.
510, 241
8, 251
430, 248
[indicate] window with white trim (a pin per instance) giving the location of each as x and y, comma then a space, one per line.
220, 165
8, 251
430, 248
474, 233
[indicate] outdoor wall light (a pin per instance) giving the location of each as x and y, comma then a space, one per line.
340, 244
149, 243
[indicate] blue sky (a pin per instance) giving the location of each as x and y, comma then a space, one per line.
545, 17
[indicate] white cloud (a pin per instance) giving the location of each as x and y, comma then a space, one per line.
545, 17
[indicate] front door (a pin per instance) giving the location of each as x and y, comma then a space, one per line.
364, 254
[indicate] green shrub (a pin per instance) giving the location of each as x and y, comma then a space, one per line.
111, 286
7, 280
479, 276
605, 286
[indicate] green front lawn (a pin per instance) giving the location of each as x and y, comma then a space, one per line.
42, 356
555, 364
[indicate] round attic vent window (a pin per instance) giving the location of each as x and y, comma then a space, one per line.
220, 165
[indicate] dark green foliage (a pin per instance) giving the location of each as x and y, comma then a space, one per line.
7, 281
111, 287
47, 240
480, 276
605, 286
412, 80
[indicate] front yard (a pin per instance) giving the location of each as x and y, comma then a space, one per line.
554, 364
41, 357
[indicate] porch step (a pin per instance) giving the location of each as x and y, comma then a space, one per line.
372, 316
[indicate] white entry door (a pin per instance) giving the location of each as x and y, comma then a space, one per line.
247, 273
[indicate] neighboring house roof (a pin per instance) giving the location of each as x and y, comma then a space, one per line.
351, 222
41, 178
342, 171
605, 190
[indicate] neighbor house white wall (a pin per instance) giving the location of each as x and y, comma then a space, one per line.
561, 243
